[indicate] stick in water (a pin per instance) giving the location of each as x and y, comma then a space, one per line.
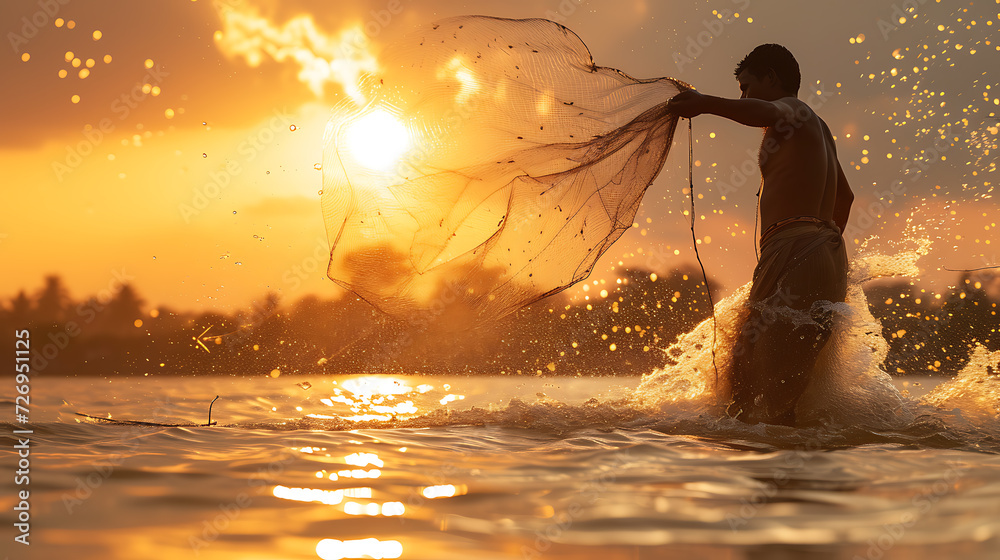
970, 269
158, 424
210, 410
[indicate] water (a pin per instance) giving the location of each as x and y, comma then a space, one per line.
435, 467
488, 467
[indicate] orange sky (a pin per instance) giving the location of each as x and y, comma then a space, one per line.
135, 193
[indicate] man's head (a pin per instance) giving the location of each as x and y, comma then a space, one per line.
769, 72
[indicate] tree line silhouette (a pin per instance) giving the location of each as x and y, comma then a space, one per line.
117, 333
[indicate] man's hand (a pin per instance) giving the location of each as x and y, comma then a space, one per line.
687, 104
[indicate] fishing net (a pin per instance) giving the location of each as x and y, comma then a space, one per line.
491, 166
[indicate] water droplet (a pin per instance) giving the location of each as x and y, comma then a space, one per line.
204, 155
320, 192
204, 123
293, 128
318, 166
267, 172
234, 211
238, 263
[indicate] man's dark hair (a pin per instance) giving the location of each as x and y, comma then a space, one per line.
772, 56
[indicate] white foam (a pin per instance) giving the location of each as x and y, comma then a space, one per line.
849, 386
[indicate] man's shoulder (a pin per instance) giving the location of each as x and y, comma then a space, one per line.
795, 104
794, 110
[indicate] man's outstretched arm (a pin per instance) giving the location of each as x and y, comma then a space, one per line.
750, 112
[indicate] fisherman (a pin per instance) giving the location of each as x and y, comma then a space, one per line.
804, 202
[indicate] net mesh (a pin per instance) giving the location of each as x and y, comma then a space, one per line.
492, 166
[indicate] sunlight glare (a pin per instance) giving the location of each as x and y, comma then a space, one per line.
377, 140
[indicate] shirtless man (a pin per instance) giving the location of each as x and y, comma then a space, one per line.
804, 205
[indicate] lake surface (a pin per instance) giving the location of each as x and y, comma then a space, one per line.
421, 467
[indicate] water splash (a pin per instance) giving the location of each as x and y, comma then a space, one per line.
975, 392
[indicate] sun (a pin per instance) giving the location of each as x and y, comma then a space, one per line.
377, 140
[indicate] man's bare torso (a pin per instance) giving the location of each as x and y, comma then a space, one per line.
799, 168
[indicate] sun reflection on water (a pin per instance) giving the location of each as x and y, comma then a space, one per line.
444, 491
329, 497
375, 398
364, 459
332, 549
